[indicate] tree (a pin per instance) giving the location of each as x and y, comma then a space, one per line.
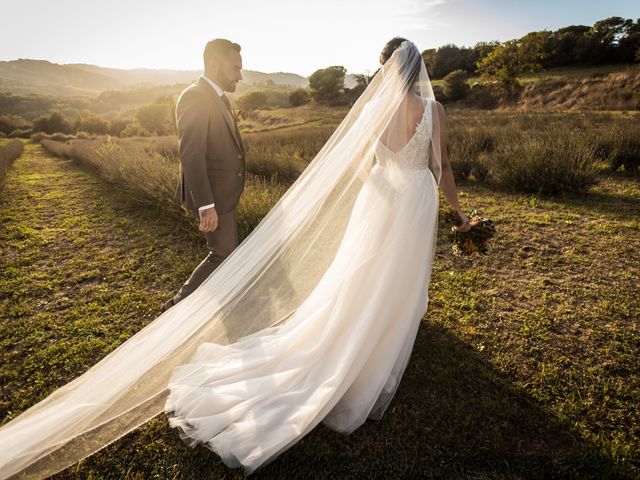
535, 49
327, 84
569, 46
629, 44
482, 49
429, 57
252, 100
299, 97
606, 35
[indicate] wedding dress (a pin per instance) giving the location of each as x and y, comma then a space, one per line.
312, 318
340, 357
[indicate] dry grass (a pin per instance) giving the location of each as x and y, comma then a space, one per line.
619, 90
9, 151
525, 365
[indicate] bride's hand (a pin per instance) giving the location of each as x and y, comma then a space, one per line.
465, 224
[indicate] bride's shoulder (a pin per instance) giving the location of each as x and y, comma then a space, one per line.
437, 107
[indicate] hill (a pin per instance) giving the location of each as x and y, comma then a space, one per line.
615, 88
44, 77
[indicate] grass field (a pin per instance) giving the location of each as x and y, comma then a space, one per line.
525, 365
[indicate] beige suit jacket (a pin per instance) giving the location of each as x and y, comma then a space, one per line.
212, 153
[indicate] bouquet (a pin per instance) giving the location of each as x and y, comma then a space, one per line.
476, 238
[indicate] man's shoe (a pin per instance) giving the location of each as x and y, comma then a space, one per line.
167, 305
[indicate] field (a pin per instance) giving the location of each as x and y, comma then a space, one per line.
525, 365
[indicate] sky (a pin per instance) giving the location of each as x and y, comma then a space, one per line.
275, 35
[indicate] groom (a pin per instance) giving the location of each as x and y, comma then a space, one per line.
212, 157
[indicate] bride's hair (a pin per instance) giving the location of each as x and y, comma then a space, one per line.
412, 70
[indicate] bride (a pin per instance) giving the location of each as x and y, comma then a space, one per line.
311, 319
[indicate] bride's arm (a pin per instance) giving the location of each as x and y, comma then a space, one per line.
447, 183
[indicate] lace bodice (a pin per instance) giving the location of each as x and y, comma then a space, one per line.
415, 154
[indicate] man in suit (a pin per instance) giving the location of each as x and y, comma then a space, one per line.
212, 157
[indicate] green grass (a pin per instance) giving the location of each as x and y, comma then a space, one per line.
525, 365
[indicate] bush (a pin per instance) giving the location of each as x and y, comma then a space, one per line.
467, 152
455, 85
8, 153
625, 149
138, 166
117, 126
252, 101
155, 118
91, 123
83, 135
21, 133
10, 123
55, 122
299, 97
134, 129
550, 163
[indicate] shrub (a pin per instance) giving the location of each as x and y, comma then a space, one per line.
547, 163
299, 97
467, 149
134, 129
91, 123
37, 137
625, 148
53, 123
8, 153
21, 133
10, 123
252, 101
155, 118
117, 126
455, 85
138, 167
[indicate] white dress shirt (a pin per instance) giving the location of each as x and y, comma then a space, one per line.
220, 92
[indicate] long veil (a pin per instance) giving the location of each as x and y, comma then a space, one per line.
259, 285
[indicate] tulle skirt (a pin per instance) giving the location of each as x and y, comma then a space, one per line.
340, 356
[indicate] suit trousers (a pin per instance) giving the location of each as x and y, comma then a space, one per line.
221, 242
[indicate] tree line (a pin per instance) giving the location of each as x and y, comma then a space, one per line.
613, 40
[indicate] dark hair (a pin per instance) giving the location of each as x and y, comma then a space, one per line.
412, 71
217, 49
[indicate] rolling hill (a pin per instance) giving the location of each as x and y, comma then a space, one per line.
44, 77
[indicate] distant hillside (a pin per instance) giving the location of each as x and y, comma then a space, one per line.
44, 77
615, 88
613, 91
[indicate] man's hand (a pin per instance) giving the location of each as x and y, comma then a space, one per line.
208, 220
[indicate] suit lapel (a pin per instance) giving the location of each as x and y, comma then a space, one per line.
223, 111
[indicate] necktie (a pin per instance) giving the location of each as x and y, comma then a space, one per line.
226, 101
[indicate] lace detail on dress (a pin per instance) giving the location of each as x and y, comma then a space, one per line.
415, 154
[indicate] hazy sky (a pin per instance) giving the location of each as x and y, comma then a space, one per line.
275, 35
